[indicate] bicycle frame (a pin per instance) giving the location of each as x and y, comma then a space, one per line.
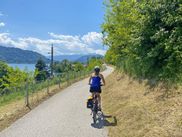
95, 107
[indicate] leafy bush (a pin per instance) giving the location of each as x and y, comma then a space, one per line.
145, 38
63, 66
94, 62
10, 77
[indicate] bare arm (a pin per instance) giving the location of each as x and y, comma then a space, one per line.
103, 80
89, 82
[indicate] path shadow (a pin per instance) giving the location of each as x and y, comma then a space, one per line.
104, 121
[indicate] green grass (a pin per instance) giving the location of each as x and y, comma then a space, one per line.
5, 99
36, 87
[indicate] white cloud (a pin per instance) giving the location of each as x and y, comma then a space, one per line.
2, 24
92, 38
101, 52
63, 44
64, 37
7, 41
89, 43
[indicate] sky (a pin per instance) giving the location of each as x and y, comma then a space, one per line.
73, 26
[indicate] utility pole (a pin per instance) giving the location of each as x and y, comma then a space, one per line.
52, 53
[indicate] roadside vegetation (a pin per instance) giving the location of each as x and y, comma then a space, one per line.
13, 81
145, 45
145, 38
139, 110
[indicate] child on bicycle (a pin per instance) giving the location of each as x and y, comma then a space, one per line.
95, 84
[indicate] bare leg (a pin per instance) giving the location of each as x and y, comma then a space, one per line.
92, 94
99, 100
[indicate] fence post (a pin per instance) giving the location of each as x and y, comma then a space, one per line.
84, 73
26, 95
79, 74
60, 81
48, 86
72, 77
67, 78
76, 74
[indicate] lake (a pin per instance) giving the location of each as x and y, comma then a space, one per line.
29, 67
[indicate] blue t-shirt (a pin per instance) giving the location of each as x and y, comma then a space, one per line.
96, 81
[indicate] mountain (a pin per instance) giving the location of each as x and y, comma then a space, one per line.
67, 57
76, 58
16, 55
85, 58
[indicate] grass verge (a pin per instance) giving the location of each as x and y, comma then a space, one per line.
141, 111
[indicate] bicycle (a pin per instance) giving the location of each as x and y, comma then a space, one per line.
95, 108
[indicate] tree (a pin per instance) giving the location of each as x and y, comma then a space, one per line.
144, 38
161, 41
78, 66
10, 77
41, 72
63, 66
3, 74
94, 62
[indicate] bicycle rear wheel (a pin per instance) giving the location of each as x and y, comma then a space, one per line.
94, 111
94, 117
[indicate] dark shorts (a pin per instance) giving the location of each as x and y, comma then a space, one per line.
95, 89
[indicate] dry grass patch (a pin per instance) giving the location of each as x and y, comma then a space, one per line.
141, 111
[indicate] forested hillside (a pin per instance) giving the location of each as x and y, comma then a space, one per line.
76, 57
15, 55
145, 38
85, 58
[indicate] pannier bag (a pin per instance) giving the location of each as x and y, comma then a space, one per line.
90, 102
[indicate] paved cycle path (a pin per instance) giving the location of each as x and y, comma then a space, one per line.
63, 115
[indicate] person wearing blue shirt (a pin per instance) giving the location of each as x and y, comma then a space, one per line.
96, 80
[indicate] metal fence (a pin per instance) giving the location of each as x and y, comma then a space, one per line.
33, 91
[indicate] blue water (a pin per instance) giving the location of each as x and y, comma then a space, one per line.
27, 67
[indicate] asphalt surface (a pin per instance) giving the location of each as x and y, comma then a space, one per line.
63, 115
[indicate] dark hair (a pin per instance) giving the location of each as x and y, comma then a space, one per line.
97, 70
